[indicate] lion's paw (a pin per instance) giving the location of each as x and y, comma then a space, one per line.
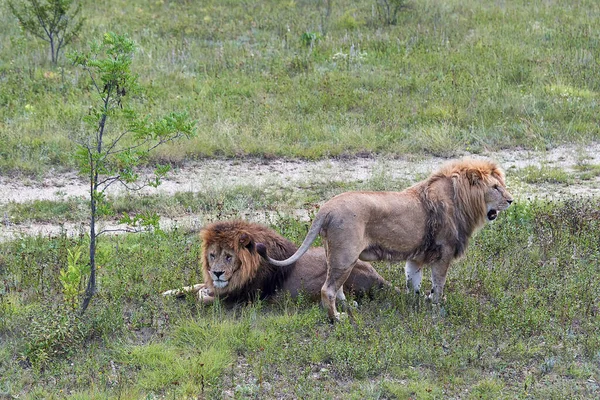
335, 317
205, 295
342, 316
433, 298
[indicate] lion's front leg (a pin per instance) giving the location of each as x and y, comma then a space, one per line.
414, 276
186, 289
439, 271
203, 292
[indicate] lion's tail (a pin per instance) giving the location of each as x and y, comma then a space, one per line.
312, 234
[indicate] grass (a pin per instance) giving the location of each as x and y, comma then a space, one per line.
448, 76
520, 321
46, 211
587, 171
278, 79
545, 174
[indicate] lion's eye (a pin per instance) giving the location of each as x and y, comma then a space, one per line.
211, 256
228, 258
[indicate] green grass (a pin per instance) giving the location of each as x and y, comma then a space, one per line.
545, 174
534, 176
46, 211
520, 321
448, 76
587, 171
521, 317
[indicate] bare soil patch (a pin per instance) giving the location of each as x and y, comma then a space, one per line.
280, 173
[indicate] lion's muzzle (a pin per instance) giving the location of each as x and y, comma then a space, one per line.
218, 281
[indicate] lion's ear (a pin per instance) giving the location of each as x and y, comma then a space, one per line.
474, 176
246, 241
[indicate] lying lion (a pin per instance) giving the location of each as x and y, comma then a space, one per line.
234, 271
428, 223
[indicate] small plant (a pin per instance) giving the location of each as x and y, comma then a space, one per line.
72, 277
309, 39
109, 156
347, 60
387, 10
51, 334
50, 20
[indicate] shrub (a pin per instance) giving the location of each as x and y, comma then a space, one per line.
49, 20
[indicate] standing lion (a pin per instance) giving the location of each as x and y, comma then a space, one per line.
234, 271
428, 223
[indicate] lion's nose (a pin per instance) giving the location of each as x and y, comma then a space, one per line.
509, 202
218, 274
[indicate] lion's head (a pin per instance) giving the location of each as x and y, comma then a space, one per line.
231, 264
497, 199
480, 187
223, 258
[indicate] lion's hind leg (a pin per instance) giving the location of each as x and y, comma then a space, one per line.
329, 294
337, 274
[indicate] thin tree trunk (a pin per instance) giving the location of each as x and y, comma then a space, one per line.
91, 286
53, 56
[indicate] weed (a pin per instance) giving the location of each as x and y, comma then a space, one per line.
73, 277
309, 39
52, 333
544, 174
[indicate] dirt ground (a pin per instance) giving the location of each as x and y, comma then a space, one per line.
200, 176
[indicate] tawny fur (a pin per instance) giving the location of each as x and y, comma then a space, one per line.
253, 277
428, 223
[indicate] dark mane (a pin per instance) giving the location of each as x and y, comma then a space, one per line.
256, 277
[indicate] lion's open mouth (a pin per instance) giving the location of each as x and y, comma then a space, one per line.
492, 215
219, 283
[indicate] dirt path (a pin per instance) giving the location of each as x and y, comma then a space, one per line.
200, 176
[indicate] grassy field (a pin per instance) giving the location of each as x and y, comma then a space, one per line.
284, 79
521, 320
450, 75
